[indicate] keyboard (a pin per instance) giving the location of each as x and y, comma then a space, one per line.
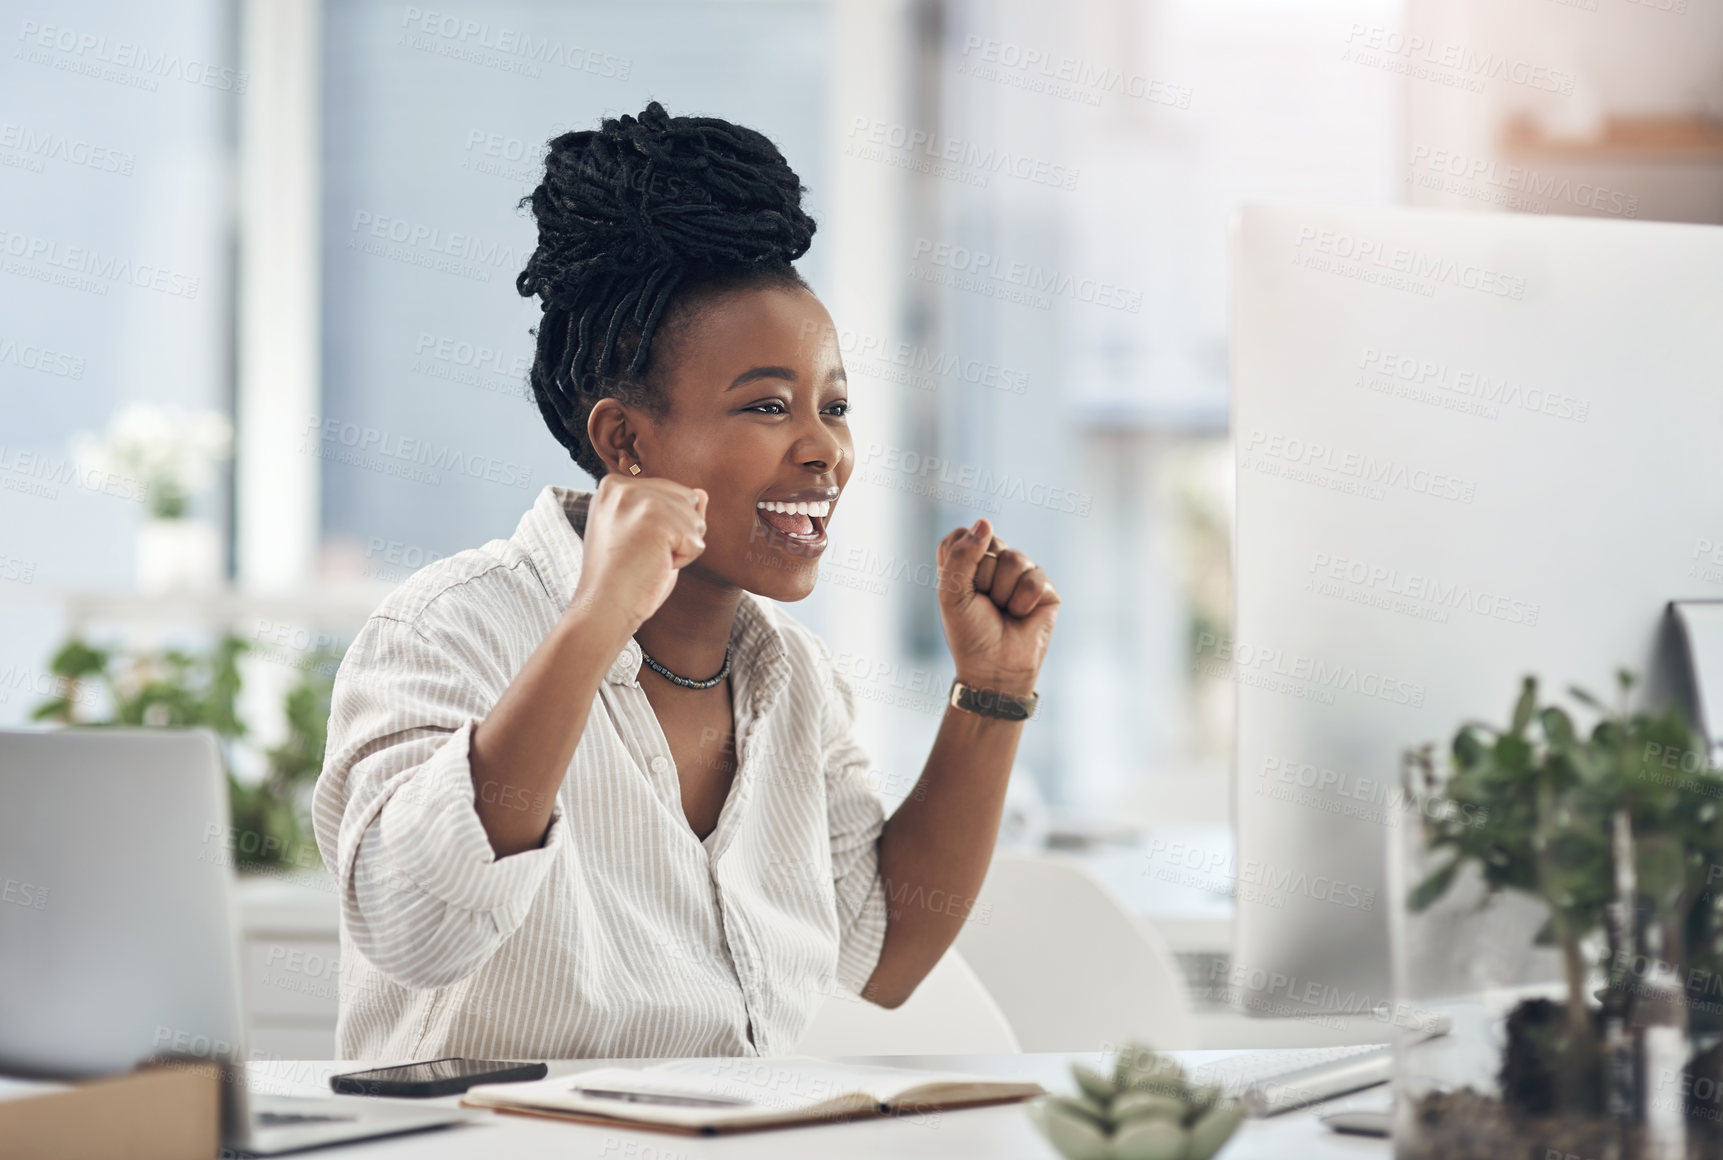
1271, 1082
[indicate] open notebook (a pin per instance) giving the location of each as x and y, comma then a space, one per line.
741, 1094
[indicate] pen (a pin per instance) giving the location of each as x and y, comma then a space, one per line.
660, 1098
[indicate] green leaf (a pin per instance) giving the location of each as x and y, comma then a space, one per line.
1661, 865
1433, 887
1468, 750
1512, 753
1526, 705
54, 709
77, 659
1557, 726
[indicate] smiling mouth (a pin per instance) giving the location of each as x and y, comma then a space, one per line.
800, 526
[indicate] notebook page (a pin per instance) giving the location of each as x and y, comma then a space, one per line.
606, 1091
803, 1081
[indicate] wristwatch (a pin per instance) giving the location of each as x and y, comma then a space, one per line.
992, 703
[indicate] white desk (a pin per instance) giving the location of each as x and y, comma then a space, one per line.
995, 1133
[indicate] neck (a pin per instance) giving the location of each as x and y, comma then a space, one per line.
691, 629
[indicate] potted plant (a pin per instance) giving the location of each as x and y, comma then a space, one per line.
173, 687
173, 455
1142, 1108
1615, 837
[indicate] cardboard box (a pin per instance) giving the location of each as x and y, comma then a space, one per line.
163, 1113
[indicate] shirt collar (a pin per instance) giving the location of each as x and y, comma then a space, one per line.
551, 534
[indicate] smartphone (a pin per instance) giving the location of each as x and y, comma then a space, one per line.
434, 1077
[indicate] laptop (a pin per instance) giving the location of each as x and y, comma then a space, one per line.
117, 935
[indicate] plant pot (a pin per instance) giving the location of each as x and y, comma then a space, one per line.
178, 556
1522, 1074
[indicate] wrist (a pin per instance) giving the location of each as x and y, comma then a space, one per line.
1016, 685
599, 621
992, 703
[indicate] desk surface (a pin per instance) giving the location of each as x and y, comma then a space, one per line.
998, 1133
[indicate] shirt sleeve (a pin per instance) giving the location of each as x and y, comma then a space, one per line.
855, 818
423, 896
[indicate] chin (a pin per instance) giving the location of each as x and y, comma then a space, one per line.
788, 584
780, 567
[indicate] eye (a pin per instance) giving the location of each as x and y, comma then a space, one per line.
770, 407
840, 408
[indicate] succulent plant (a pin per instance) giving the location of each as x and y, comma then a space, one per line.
1145, 1109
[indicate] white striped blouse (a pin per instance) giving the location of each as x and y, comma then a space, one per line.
624, 934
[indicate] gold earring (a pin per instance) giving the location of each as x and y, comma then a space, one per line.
634, 469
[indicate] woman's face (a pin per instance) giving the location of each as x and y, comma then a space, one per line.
757, 417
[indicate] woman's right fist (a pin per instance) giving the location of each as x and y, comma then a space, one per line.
639, 534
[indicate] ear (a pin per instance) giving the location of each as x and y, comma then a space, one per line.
610, 427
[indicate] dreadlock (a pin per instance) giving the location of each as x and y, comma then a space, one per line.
639, 216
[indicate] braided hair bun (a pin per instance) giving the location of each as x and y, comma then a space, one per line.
630, 216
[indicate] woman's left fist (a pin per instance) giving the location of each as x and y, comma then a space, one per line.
998, 610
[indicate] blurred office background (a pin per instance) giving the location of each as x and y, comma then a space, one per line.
295, 224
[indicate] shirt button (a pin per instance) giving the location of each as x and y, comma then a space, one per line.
659, 765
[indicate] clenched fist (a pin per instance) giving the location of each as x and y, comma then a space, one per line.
997, 610
639, 534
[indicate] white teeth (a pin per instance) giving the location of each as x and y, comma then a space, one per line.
821, 508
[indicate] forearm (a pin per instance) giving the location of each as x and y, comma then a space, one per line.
935, 850
522, 748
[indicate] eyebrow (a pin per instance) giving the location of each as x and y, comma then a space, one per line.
785, 373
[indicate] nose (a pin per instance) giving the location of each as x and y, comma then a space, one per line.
820, 449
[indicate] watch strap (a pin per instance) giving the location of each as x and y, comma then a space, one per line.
992, 703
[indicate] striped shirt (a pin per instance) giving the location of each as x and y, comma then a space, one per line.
624, 935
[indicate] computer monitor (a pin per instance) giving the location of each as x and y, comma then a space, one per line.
1470, 447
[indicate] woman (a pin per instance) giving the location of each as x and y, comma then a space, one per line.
586, 793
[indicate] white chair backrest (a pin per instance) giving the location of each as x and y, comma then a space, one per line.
1071, 968
951, 1013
